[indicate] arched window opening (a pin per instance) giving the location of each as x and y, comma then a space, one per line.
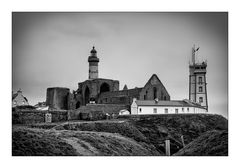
104, 88
86, 95
77, 105
154, 93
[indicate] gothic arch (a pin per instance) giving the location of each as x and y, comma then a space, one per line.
86, 95
77, 104
154, 93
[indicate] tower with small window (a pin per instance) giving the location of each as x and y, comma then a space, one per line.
197, 80
93, 64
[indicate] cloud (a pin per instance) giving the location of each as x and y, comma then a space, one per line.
51, 49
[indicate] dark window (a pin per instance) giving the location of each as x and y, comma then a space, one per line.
77, 105
182, 109
176, 111
187, 109
87, 95
140, 110
155, 110
165, 98
104, 88
200, 89
166, 110
200, 99
154, 93
200, 79
144, 97
122, 99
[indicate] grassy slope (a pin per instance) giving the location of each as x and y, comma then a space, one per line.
211, 143
41, 142
121, 127
147, 131
28, 142
158, 127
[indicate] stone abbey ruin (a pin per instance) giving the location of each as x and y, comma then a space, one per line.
103, 91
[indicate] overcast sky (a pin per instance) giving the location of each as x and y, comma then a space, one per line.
51, 49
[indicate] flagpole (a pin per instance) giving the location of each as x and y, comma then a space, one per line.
193, 54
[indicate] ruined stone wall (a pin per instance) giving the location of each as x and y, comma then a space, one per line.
154, 83
152, 89
36, 116
93, 116
111, 109
94, 87
147, 93
119, 97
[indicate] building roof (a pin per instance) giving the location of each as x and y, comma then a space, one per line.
14, 96
93, 50
175, 103
25, 98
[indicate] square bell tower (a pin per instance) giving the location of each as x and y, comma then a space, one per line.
197, 80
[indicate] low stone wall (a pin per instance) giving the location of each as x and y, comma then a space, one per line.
36, 116
110, 111
89, 112
93, 116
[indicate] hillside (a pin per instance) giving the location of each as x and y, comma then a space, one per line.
156, 128
211, 143
40, 142
135, 135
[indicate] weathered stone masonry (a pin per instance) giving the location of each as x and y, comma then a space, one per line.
103, 91
57, 98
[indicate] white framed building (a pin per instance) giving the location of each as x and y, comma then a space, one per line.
143, 107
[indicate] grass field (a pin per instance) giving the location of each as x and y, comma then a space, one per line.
142, 136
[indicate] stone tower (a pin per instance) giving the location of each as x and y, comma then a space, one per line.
57, 98
197, 80
93, 64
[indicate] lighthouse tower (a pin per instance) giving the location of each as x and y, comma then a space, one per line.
93, 64
197, 80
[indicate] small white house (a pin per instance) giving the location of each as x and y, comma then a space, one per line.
140, 107
18, 99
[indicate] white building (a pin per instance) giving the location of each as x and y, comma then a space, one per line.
18, 99
124, 112
140, 107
